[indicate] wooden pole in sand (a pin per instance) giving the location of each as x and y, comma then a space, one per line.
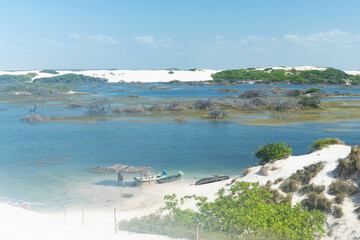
82, 216
115, 220
197, 233
65, 215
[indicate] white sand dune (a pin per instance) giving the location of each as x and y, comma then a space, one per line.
153, 75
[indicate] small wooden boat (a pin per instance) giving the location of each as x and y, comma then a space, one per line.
148, 179
171, 178
211, 179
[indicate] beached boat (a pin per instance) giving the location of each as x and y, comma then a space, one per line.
151, 178
171, 178
211, 179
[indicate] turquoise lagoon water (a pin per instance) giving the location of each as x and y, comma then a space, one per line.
44, 162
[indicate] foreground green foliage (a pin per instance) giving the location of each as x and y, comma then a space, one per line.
322, 143
269, 75
71, 78
246, 208
272, 151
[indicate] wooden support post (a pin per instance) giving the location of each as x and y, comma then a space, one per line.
82, 218
65, 215
115, 220
197, 233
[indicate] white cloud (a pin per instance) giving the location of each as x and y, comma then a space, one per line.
145, 40
102, 39
74, 36
154, 43
324, 38
21, 40
51, 43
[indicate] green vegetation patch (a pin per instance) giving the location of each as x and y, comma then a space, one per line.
322, 143
50, 71
272, 151
328, 76
17, 78
71, 78
244, 208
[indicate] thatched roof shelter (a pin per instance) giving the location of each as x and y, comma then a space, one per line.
120, 169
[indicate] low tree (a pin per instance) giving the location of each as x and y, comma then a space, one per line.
272, 151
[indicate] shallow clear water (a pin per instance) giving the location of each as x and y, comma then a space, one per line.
45, 162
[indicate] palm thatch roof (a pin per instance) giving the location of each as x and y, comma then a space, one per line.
118, 168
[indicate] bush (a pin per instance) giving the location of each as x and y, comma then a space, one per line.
351, 167
272, 151
340, 186
305, 175
312, 188
310, 102
337, 212
339, 198
171, 72
293, 93
241, 210
246, 171
313, 90
278, 180
317, 201
322, 143
289, 186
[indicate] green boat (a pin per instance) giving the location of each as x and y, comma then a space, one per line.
170, 178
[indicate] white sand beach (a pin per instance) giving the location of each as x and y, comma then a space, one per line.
100, 221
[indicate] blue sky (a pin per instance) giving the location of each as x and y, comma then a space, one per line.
159, 34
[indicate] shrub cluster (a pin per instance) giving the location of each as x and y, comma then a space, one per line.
322, 143
350, 167
337, 212
272, 151
317, 201
343, 187
312, 188
302, 177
